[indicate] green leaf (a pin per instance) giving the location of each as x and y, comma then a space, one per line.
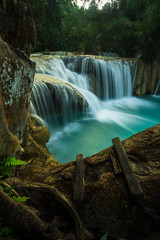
5, 231
12, 161
21, 199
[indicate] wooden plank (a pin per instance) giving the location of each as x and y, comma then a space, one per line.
116, 166
78, 194
131, 179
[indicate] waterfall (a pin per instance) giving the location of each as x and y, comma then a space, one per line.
157, 90
95, 79
112, 79
56, 103
85, 102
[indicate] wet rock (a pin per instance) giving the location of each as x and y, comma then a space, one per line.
16, 24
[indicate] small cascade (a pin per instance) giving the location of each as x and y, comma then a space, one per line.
42, 103
157, 90
56, 102
94, 79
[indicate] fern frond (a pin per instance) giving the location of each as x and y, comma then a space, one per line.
13, 162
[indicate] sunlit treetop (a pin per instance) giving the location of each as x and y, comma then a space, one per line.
86, 3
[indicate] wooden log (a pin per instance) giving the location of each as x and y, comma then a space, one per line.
78, 194
131, 179
116, 166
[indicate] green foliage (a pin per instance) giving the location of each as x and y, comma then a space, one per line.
125, 27
20, 199
8, 164
5, 232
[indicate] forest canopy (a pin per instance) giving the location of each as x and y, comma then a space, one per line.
125, 27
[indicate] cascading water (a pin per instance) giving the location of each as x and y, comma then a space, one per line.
56, 103
108, 79
157, 91
91, 104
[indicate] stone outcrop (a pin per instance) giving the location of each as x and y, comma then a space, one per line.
107, 205
16, 81
36, 137
16, 24
147, 78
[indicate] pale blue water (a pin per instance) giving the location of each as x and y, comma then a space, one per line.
117, 118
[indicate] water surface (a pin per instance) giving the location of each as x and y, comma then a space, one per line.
117, 118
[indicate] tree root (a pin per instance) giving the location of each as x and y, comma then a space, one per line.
28, 225
4, 184
21, 219
55, 194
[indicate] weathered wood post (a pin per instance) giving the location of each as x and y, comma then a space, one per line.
79, 179
131, 179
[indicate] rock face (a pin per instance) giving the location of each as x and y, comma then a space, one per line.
107, 205
9, 144
147, 78
16, 81
16, 24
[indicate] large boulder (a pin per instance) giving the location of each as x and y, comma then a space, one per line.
16, 81
16, 24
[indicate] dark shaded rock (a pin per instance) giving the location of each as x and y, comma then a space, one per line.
16, 24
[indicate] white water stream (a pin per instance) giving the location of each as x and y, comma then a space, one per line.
106, 86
